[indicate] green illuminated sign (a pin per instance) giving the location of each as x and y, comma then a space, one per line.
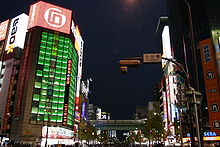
50, 88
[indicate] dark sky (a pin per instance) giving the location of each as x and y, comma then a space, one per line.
112, 30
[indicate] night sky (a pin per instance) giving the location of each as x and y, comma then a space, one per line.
112, 30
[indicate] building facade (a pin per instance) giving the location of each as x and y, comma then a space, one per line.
50, 66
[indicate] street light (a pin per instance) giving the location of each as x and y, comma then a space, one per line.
195, 69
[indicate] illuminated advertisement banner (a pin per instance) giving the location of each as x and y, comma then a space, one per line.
50, 16
57, 132
65, 114
17, 33
8, 104
22, 76
166, 45
3, 29
83, 110
211, 83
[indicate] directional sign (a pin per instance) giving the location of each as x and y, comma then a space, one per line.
152, 58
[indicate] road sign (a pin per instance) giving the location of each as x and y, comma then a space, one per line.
152, 58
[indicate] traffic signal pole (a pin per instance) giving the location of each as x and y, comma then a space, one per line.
156, 58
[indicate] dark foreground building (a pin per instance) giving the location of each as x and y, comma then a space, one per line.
201, 56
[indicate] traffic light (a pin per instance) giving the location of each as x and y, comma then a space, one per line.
130, 63
123, 69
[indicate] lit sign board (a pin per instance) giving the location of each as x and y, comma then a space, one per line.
57, 132
214, 138
83, 110
166, 45
211, 81
50, 16
65, 114
3, 29
17, 33
205, 134
152, 58
69, 67
206, 53
210, 134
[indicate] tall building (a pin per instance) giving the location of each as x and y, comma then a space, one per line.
12, 38
46, 86
197, 48
168, 99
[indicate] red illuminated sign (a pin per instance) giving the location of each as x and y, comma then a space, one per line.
22, 76
3, 29
68, 72
8, 104
50, 16
65, 113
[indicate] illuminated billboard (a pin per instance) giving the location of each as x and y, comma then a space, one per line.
55, 83
17, 33
50, 16
3, 29
211, 83
166, 45
57, 132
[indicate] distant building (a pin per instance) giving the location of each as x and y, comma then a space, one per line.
152, 105
141, 112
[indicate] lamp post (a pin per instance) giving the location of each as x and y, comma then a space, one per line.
156, 58
195, 69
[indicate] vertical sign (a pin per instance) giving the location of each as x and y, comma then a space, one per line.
17, 33
211, 81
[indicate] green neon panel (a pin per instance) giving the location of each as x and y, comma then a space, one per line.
46, 74
59, 118
40, 117
41, 61
42, 104
54, 105
63, 77
56, 93
36, 97
39, 73
61, 100
62, 82
46, 68
43, 98
43, 92
60, 112
57, 81
62, 88
69, 122
59, 65
60, 106
47, 57
47, 62
41, 111
57, 76
55, 99
44, 86
56, 87
46, 117
62, 94
58, 70
37, 84
55, 50
34, 110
